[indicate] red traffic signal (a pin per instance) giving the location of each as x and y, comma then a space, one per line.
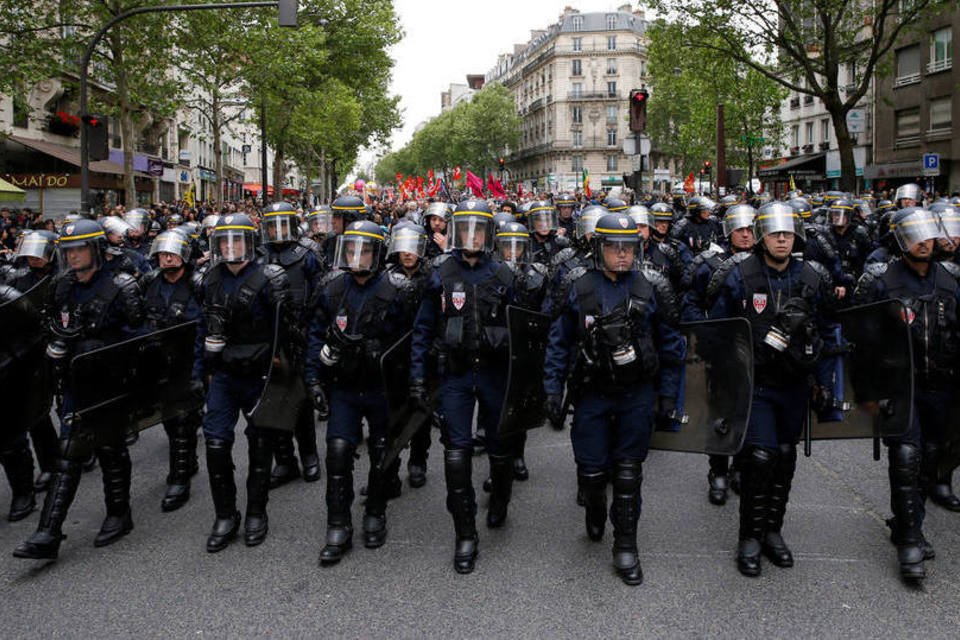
98, 144
706, 165
638, 109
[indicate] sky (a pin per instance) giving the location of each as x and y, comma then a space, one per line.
445, 41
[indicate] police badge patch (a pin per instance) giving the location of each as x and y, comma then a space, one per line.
458, 298
759, 302
342, 323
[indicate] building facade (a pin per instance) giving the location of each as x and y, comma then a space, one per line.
915, 107
572, 83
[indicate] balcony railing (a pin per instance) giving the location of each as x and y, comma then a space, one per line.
907, 141
939, 134
902, 81
936, 66
593, 95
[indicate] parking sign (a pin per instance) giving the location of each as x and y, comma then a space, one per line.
931, 164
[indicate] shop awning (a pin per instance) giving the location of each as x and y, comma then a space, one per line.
10, 193
254, 187
69, 155
808, 166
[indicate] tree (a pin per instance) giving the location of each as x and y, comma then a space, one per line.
802, 45
687, 89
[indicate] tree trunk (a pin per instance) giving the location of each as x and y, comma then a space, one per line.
217, 154
279, 176
845, 143
126, 125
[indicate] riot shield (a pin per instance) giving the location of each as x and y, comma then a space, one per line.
283, 388
523, 401
877, 371
406, 416
133, 384
25, 391
718, 389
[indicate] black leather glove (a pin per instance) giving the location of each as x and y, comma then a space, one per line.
197, 388
665, 413
418, 392
821, 398
319, 398
553, 407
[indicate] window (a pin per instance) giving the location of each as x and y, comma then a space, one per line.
578, 44
576, 23
908, 124
21, 111
611, 137
611, 21
941, 50
795, 135
825, 130
940, 114
113, 126
576, 164
576, 115
908, 66
577, 68
851, 73
577, 139
612, 89
611, 114
611, 66
576, 89
612, 163
611, 43
809, 131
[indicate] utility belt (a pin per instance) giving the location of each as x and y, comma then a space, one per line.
460, 361
245, 360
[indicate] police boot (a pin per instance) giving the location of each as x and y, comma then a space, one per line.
936, 481
375, 508
594, 489
906, 503
286, 469
417, 464
733, 475
718, 481
45, 446
339, 500
306, 434
756, 477
115, 466
18, 465
255, 523
223, 490
501, 484
183, 451
624, 514
45, 541
774, 548
520, 471
462, 505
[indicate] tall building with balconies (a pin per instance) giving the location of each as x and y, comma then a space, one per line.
572, 83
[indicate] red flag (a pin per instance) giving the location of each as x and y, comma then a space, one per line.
519, 191
475, 183
456, 173
430, 175
399, 177
688, 183
495, 187
419, 183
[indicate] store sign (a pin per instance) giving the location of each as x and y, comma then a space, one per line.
43, 181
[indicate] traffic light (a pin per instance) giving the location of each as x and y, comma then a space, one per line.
287, 12
502, 164
98, 140
707, 167
638, 109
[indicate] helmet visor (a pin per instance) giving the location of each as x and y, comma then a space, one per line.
320, 223
408, 241
618, 255
138, 220
777, 221
357, 253
915, 228
737, 218
471, 232
950, 222
278, 228
908, 191
34, 245
587, 224
513, 247
232, 246
543, 220
171, 243
78, 257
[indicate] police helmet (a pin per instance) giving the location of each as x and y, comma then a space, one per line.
738, 217
840, 211
615, 234
319, 220
438, 209
913, 225
139, 219
350, 207
909, 191
501, 218
614, 204
36, 244
174, 220
82, 233
471, 227
587, 222
234, 239
513, 243
360, 248
407, 237
542, 217
115, 226
949, 217
172, 241
777, 217
803, 208
640, 215
279, 224
662, 212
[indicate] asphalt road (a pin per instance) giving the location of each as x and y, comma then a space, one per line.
537, 577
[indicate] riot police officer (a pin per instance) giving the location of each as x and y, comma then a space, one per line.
435, 219
619, 329
282, 245
90, 308
239, 297
931, 296
319, 221
908, 195
464, 312
565, 204
700, 228
170, 298
119, 258
570, 262
358, 317
343, 211
851, 239
545, 243
661, 251
784, 298
141, 224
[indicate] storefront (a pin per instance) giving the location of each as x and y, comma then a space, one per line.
808, 173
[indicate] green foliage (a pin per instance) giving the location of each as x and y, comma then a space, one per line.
473, 134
